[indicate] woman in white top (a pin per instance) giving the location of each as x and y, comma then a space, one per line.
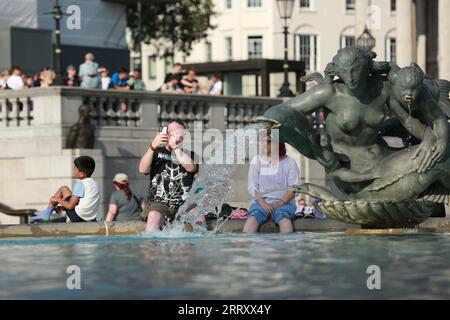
216, 85
268, 171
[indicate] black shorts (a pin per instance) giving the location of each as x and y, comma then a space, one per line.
73, 215
167, 212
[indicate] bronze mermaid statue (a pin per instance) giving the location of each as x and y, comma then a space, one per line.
356, 91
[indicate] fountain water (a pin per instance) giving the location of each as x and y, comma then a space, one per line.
212, 188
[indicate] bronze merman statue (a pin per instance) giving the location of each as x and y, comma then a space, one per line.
82, 133
355, 92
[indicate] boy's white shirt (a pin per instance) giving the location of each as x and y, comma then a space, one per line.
88, 205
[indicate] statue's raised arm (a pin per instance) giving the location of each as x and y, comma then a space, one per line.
312, 99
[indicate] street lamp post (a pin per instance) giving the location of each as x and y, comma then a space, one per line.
366, 41
57, 16
285, 9
139, 48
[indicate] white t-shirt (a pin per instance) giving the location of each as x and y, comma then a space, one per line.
87, 190
105, 82
263, 177
15, 82
216, 87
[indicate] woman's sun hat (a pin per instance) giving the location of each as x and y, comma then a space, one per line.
120, 177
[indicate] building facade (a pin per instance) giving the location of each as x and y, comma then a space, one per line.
404, 30
101, 30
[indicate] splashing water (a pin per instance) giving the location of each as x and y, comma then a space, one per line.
212, 188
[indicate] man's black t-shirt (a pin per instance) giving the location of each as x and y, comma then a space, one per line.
179, 77
169, 181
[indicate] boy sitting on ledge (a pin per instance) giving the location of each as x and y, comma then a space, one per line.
82, 204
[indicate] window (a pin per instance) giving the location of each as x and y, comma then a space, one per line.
136, 63
393, 5
208, 51
229, 47
306, 51
228, 4
305, 4
350, 5
254, 3
152, 67
391, 50
168, 60
255, 47
347, 41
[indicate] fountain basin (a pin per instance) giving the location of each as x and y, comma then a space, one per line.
136, 227
378, 214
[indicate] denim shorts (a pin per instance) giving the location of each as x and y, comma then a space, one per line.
286, 211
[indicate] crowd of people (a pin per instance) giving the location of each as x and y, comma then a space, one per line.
172, 171
175, 83
15, 79
91, 75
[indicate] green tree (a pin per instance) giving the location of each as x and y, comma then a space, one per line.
170, 25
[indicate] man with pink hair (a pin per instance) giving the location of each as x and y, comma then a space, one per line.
171, 170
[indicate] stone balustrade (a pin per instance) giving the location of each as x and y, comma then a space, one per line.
16, 111
59, 105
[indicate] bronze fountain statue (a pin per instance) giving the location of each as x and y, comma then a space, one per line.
82, 134
379, 185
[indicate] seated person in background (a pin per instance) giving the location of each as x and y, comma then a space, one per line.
105, 79
171, 170
308, 212
82, 204
15, 81
125, 205
27, 81
301, 205
4, 75
216, 85
37, 79
119, 80
268, 171
190, 84
135, 82
71, 79
303, 210
47, 78
88, 72
172, 85
177, 72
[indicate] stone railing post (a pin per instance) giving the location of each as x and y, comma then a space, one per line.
149, 112
217, 115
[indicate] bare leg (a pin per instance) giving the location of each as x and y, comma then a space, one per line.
251, 225
154, 221
62, 193
201, 220
286, 226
